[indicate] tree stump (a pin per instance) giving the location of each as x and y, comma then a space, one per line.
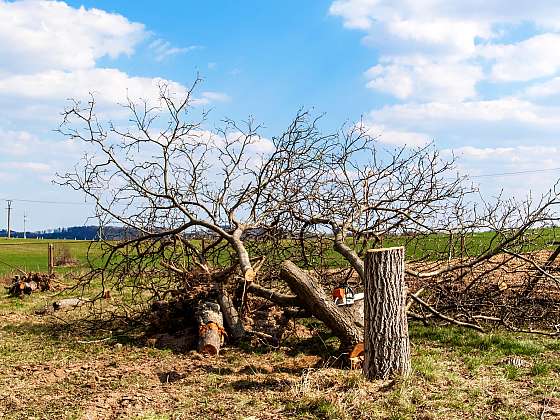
210, 327
386, 343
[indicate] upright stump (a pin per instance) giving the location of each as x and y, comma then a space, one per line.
386, 343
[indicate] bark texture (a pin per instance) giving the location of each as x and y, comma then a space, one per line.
234, 325
386, 343
356, 312
211, 326
317, 302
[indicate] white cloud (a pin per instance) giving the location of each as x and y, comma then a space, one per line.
49, 35
515, 170
22, 144
545, 89
421, 79
436, 50
506, 109
396, 138
526, 60
163, 49
28, 166
364, 14
16, 143
109, 85
504, 122
216, 96
48, 54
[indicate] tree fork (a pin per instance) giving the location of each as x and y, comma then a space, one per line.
386, 343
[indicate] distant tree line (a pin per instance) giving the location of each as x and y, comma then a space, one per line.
89, 233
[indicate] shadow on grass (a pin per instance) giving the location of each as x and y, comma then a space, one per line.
267, 384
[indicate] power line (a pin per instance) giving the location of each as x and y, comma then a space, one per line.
530, 171
46, 202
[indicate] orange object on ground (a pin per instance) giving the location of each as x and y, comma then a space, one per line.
338, 293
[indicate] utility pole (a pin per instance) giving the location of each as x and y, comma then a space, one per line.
24, 225
9, 216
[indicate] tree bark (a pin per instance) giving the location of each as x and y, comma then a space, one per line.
211, 327
233, 322
317, 302
386, 344
349, 254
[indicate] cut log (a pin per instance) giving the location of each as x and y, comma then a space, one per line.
356, 356
70, 303
211, 329
317, 302
386, 344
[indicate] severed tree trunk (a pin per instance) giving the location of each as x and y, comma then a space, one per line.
386, 344
313, 298
210, 327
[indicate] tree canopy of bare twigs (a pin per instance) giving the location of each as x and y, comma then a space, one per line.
227, 205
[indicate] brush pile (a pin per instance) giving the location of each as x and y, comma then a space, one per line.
29, 283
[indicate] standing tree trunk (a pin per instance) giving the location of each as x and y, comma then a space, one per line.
386, 344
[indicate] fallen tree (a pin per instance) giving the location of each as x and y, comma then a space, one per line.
233, 215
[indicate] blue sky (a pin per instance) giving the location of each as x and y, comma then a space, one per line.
481, 79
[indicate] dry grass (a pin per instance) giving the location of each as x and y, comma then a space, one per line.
49, 372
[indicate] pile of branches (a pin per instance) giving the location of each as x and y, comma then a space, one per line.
520, 292
30, 282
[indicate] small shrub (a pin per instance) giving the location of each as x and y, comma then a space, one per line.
63, 256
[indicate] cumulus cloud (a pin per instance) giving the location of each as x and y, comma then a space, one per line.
481, 78
396, 138
50, 52
437, 49
422, 79
28, 166
515, 170
546, 89
525, 60
49, 35
111, 85
497, 123
215, 97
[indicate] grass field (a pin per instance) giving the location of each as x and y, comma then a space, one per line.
32, 254
50, 370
